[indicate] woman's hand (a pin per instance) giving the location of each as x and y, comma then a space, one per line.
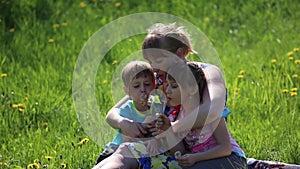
186, 160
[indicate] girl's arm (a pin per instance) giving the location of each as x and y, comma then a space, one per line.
223, 148
128, 127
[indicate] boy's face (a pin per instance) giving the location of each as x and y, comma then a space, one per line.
139, 87
173, 93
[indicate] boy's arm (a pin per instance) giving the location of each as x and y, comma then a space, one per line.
128, 127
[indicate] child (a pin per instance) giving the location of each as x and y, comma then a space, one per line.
206, 147
138, 80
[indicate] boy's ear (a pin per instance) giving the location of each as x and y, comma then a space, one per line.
126, 90
180, 53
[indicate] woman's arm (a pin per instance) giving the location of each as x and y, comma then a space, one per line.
128, 127
222, 149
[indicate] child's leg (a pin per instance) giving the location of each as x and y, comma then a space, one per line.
122, 158
231, 162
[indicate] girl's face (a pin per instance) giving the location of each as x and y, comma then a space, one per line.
173, 93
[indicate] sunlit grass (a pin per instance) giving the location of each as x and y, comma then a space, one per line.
258, 43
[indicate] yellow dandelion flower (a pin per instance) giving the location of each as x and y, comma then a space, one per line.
82, 4
236, 89
295, 49
11, 30
20, 105
3, 75
291, 58
104, 81
242, 72
273, 60
297, 61
45, 124
117, 4
240, 76
295, 76
3, 164
293, 93
36, 165
115, 62
30, 166
14, 106
36, 161
56, 25
83, 141
290, 53
64, 24
294, 89
221, 19
21, 110
48, 157
63, 165
51, 40
206, 19
285, 90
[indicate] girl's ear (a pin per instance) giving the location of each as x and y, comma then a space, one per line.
126, 90
180, 53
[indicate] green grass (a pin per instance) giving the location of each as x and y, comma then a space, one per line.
37, 74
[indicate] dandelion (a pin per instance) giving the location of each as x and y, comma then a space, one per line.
240, 76
82, 4
117, 4
290, 53
291, 58
63, 165
20, 105
242, 72
293, 93
14, 105
11, 30
221, 19
21, 110
236, 89
115, 62
295, 76
297, 61
3, 75
206, 19
104, 81
83, 141
285, 90
294, 89
51, 40
56, 25
273, 60
64, 24
48, 157
295, 49
33, 165
3, 164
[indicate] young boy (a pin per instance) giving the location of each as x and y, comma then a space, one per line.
138, 80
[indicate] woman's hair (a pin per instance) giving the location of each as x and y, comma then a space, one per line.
168, 37
198, 75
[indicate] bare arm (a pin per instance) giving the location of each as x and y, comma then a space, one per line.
128, 127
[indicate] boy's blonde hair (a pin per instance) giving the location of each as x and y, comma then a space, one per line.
136, 69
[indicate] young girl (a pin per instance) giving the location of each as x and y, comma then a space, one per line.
210, 146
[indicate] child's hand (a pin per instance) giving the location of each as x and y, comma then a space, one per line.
186, 160
153, 146
162, 123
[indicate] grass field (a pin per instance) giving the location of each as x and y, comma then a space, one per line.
257, 41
